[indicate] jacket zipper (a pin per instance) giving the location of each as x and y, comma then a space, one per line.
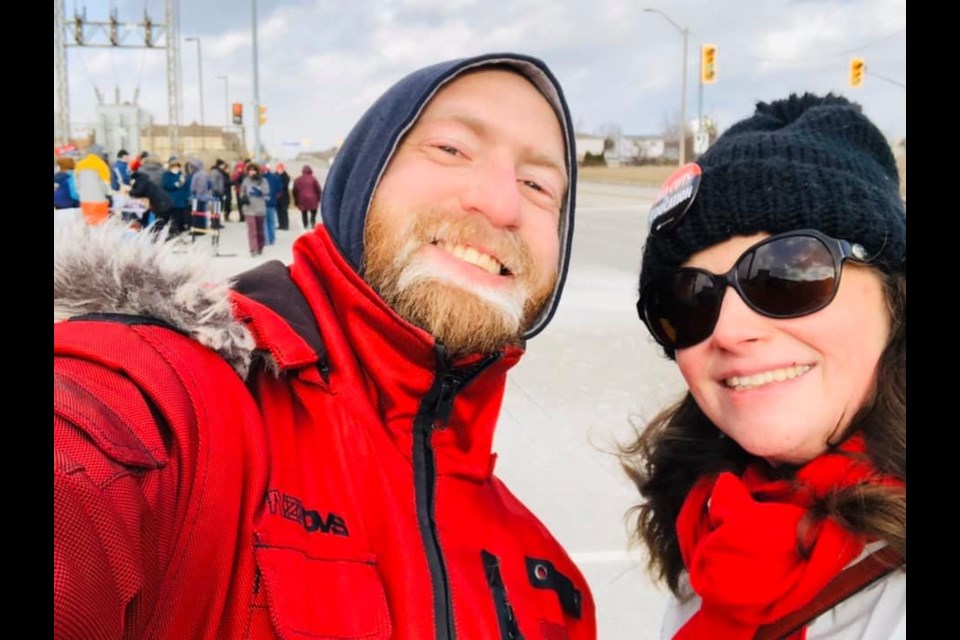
505, 617
435, 410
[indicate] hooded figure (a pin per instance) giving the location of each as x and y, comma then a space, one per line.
306, 196
338, 481
152, 168
365, 153
201, 183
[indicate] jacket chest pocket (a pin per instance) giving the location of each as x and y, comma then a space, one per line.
532, 599
302, 593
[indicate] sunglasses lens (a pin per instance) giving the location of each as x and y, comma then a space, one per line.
789, 277
681, 309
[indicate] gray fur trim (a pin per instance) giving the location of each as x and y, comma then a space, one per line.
109, 269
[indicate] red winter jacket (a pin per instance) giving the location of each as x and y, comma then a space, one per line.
344, 490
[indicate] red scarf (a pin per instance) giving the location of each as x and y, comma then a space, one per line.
739, 541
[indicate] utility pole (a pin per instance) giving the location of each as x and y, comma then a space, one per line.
683, 85
113, 34
256, 91
174, 89
226, 99
203, 133
61, 98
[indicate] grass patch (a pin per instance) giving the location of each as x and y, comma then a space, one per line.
645, 175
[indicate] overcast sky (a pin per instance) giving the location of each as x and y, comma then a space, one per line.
323, 62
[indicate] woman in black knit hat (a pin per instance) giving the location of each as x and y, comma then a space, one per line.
774, 492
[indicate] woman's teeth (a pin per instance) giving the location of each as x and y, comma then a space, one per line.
760, 379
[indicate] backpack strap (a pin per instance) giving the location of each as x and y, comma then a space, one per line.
845, 584
124, 318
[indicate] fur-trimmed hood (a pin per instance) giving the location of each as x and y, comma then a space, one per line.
110, 269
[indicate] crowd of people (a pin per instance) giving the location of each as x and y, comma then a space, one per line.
177, 195
305, 450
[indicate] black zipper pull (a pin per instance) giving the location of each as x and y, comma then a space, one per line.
444, 407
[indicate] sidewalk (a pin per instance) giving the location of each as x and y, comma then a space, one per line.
233, 254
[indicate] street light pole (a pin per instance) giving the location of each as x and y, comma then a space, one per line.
226, 99
200, 84
256, 90
683, 85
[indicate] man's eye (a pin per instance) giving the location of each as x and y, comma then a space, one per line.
533, 185
448, 149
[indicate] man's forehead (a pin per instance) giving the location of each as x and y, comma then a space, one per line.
456, 101
483, 79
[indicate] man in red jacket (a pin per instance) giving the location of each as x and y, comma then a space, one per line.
308, 453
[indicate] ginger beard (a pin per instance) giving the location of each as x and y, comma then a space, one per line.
465, 316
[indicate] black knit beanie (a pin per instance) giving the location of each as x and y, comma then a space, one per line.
806, 162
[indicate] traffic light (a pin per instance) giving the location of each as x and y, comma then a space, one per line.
857, 68
263, 114
237, 113
708, 63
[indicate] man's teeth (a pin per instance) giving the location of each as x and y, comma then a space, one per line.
760, 379
474, 257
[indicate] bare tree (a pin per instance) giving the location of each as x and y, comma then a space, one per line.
670, 132
611, 132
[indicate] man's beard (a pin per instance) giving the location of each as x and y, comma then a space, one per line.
464, 316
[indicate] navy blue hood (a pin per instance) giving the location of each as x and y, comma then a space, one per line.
364, 155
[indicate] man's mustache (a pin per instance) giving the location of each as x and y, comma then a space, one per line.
476, 231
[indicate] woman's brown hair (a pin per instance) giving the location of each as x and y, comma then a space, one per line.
680, 445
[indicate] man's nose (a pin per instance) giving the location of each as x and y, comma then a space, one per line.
493, 192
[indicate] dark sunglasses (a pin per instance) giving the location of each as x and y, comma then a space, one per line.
788, 275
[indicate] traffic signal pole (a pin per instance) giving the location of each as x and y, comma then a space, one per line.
700, 99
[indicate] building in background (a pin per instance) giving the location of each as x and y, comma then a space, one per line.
587, 143
207, 143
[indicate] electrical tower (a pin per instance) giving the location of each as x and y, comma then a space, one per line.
112, 33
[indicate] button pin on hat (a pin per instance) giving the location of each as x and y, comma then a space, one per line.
674, 198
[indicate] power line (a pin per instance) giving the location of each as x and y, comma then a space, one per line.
831, 56
891, 81
869, 44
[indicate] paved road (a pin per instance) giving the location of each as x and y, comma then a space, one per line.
590, 376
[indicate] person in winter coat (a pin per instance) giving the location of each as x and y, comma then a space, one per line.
337, 481
120, 175
201, 184
774, 274
160, 203
152, 168
236, 179
220, 178
65, 194
306, 196
177, 184
271, 221
283, 198
254, 193
92, 178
